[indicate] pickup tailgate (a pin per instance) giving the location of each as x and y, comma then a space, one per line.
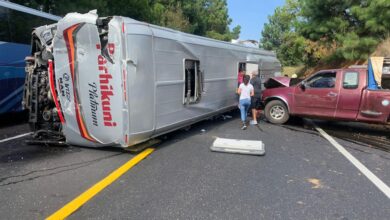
375, 106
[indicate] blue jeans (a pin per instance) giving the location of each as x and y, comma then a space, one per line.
244, 106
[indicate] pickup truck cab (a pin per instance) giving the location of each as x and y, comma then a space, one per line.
338, 94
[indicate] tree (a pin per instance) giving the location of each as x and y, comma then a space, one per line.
171, 16
309, 31
282, 22
327, 20
202, 17
291, 51
235, 34
280, 34
210, 18
374, 16
353, 26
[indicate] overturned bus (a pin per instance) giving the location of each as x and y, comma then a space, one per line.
116, 81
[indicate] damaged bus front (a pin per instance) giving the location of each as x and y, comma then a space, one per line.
81, 100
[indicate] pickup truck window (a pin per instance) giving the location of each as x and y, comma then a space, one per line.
351, 80
322, 80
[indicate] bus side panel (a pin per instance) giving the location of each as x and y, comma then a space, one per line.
218, 67
220, 80
169, 61
140, 82
269, 67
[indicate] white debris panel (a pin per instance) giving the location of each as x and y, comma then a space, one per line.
238, 146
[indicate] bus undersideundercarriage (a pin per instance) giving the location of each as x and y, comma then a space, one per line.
37, 97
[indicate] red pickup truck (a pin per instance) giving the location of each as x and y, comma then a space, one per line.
339, 94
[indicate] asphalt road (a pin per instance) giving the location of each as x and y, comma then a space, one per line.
302, 176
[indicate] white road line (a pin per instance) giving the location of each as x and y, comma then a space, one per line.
371, 176
14, 137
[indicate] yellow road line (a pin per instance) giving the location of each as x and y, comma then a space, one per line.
80, 200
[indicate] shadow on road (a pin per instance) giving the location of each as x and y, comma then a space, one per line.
13, 118
199, 128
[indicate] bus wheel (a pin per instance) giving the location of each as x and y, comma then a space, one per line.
276, 112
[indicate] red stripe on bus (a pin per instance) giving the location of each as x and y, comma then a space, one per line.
68, 35
53, 92
124, 85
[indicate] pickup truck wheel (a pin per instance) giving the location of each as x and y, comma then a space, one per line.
276, 112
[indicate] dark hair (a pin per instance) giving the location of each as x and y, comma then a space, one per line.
246, 79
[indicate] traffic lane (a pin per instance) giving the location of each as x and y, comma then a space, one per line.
13, 124
372, 135
13, 130
378, 161
374, 158
301, 177
356, 127
35, 181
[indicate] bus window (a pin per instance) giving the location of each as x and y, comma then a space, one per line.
193, 82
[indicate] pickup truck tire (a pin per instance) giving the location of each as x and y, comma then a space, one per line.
276, 112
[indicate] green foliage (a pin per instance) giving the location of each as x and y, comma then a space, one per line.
201, 17
354, 47
325, 19
235, 34
209, 18
291, 50
280, 23
171, 16
375, 17
279, 34
309, 31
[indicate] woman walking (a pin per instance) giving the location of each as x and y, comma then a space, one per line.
245, 90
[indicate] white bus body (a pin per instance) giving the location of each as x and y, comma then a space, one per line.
117, 81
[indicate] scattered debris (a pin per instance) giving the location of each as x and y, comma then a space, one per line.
316, 183
337, 172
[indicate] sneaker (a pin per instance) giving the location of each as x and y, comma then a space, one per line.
243, 127
253, 122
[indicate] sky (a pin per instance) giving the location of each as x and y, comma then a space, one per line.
251, 16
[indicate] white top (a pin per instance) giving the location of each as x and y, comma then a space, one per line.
245, 91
